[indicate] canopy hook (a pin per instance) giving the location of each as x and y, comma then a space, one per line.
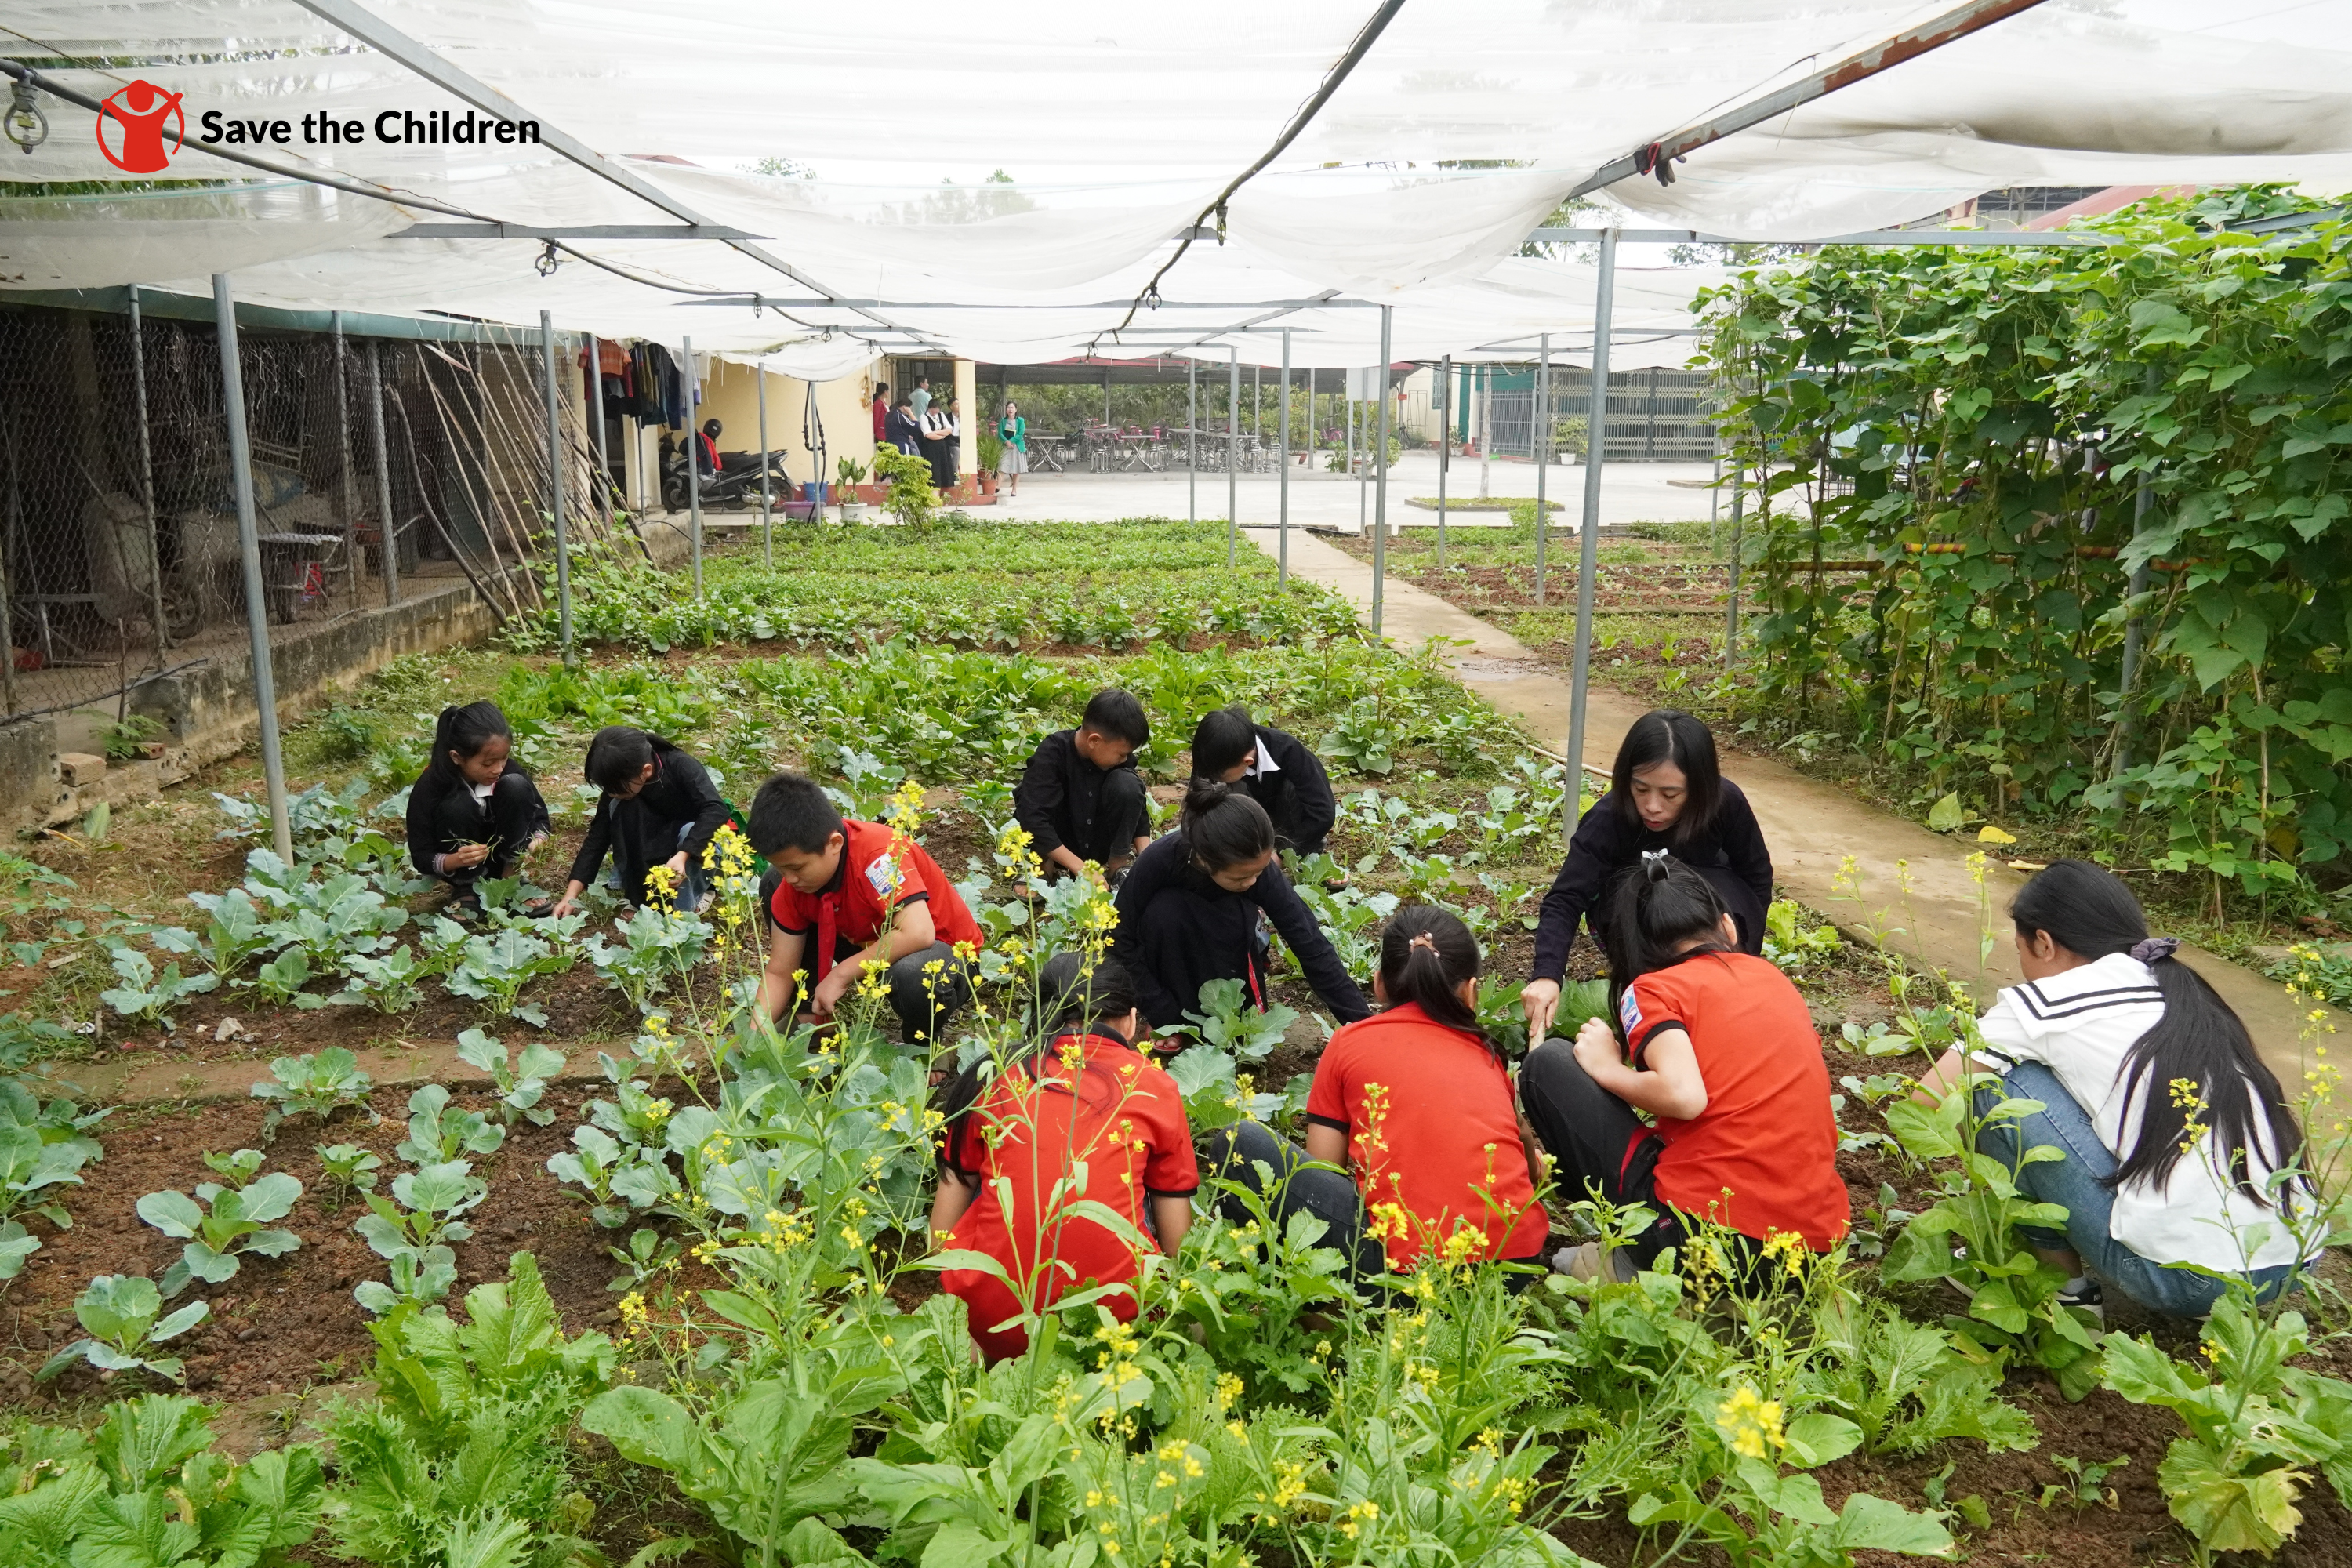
27, 126
548, 261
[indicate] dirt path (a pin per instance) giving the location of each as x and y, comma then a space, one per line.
1813, 827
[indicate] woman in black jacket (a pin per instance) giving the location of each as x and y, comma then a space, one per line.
659, 807
1188, 912
473, 811
1666, 794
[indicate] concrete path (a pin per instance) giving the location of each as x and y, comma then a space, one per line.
1630, 492
1813, 827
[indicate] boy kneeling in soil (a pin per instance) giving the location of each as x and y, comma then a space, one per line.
1720, 1050
1080, 798
1082, 1094
843, 895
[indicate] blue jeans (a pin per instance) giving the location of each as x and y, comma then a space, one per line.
2077, 1183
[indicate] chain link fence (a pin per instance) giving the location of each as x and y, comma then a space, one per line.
119, 557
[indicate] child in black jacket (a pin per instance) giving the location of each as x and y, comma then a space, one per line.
473, 811
1274, 768
1188, 912
659, 808
1080, 798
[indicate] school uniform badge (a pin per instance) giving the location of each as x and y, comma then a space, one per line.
882, 873
1629, 1012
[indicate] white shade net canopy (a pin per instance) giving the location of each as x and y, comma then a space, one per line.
1458, 135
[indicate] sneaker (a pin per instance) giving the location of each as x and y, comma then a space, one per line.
2087, 1297
1582, 1261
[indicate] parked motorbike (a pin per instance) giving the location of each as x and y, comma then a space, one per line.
736, 485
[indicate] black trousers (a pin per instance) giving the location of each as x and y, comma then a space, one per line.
513, 817
1587, 1131
925, 999
1120, 817
1234, 1153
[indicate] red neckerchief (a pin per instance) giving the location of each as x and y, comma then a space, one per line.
713, 447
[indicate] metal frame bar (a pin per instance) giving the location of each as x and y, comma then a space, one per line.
1282, 559
1660, 153
1587, 551
386, 40
1380, 484
387, 531
248, 540
555, 489
1881, 237
147, 483
693, 465
1539, 413
1233, 451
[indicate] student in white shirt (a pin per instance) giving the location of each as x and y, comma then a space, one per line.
2171, 1125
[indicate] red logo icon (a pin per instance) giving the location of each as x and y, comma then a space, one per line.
139, 109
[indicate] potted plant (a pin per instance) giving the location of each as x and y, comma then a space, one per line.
851, 473
1568, 438
911, 499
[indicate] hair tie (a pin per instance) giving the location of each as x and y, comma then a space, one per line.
1654, 864
2150, 948
1426, 939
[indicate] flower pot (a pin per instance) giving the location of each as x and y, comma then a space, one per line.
852, 512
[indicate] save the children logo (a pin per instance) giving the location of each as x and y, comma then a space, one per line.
139, 110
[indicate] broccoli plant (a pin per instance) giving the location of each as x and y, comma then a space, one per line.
658, 947
437, 1134
144, 994
238, 1221
42, 1148
234, 934
1227, 1021
317, 1086
496, 965
520, 1085
618, 1178
347, 1168
389, 983
412, 1229
117, 1314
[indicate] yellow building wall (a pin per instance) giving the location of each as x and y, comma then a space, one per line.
730, 394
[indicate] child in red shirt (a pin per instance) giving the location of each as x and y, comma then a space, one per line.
1416, 1105
843, 895
1083, 1116
1720, 1050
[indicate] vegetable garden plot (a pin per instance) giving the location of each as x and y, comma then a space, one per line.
775, 1377
974, 584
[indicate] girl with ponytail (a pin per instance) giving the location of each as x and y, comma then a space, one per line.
1718, 1047
473, 811
1190, 908
1415, 1104
2171, 1126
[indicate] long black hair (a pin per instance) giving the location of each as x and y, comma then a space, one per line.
1075, 995
2087, 909
1222, 825
1670, 735
466, 730
1426, 952
1661, 912
617, 754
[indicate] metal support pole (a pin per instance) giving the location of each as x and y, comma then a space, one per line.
1381, 488
1444, 446
11, 532
1485, 430
1588, 544
1539, 449
767, 516
1258, 400
349, 484
693, 470
600, 489
1282, 561
1715, 486
1311, 420
1731, 612
1192, 441
555, 487
1233, 450
387, 534
1362, 463
248, 539
147, 481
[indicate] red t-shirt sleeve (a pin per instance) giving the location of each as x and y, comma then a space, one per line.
794, 911
1651, 1004
1326, 1099
1169, 1166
